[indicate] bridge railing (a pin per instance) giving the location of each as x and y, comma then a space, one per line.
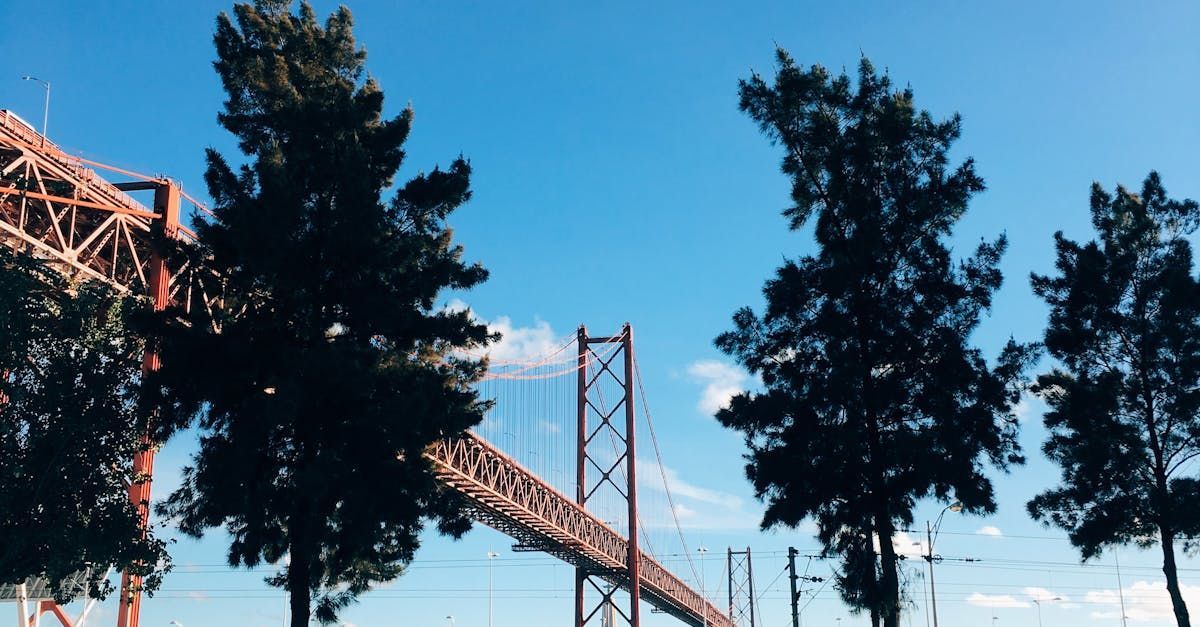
19, 129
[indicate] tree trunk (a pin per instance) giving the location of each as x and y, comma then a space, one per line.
299, 593
1167, 538
299, 570
889, 601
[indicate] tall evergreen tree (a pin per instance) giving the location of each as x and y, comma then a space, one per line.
1124, 417
328, 370
69, 428
872, 396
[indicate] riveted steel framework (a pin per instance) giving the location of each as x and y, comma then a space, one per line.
741, 587
54, 208
511, 499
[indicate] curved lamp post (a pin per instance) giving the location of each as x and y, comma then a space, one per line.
45, 106
931, 532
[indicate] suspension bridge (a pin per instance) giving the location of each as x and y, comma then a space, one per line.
554, 465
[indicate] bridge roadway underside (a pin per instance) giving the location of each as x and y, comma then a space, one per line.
511, 499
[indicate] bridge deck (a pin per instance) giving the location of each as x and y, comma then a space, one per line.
513, 500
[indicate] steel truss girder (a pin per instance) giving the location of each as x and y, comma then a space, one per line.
509, 498
54, 208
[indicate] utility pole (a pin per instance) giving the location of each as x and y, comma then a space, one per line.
1120, 589
929, 558
930, 536
491, 555
793, 577
795, 595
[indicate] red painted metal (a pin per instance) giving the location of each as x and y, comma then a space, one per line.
511, 499
581, 343
166, 204
52, 607
635, 579
55, 208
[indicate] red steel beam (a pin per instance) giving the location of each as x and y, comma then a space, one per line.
512, 499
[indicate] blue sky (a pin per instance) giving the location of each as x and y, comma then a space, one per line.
615, 180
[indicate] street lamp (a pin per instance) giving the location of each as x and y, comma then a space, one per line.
491, 555
1038, 603
994, 619
45, 106
450, 618
930, 536
176, 623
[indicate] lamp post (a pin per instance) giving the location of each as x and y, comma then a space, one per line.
930, 536
45, 105
994, 619
702, 550
491, 555
450, 617
1038, 603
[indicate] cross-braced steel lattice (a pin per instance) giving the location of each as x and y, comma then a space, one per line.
741, 587
598, 423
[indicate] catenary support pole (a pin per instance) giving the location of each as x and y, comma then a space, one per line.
795, 597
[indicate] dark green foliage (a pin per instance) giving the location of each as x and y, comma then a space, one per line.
69, 428
1124, 415
873, 397
326, 374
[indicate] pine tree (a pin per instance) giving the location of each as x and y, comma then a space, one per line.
69, 428
1124, 417
872, 398
328, 370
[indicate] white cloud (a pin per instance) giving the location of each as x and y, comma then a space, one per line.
721, 382
1145, 601
989, 530
517, 343
1043, 595
903, 544
995, 600
522, 343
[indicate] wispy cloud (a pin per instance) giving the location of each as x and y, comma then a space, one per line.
721, 382
995, 600
696, 507
651, 474
989, 530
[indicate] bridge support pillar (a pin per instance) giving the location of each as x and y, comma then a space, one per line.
597, 372
167, 204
